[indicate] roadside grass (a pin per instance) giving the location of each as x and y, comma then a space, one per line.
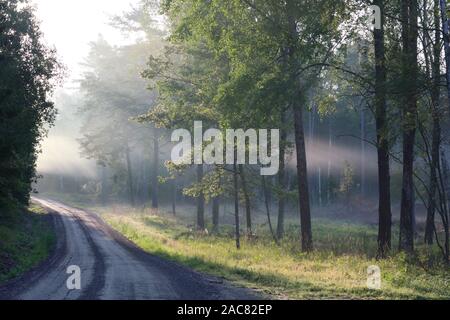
336, 270
26, 239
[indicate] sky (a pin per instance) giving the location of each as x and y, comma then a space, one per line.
69, 26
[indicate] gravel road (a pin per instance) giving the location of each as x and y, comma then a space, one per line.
112, 268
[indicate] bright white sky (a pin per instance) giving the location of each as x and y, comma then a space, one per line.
69, 25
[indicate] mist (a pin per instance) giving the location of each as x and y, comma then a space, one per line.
348, 196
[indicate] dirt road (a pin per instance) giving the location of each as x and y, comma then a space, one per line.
112, 268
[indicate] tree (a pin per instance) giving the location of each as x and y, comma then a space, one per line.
282, 181
215, 213
409, 17
347, 183
384, 188
155, 169
436, 126
248, 213
236, 204
114, 94
260, 43
186, 83
29, 72
297, 52
446, 38
200, 200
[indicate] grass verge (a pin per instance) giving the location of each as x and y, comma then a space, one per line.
336, 270
26, 239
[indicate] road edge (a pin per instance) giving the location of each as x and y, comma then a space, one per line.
11, 288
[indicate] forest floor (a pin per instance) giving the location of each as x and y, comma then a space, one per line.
337, 269
26, 239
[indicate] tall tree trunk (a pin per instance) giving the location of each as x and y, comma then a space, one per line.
248, 208
282, 182
384, 188
410, 73
130, 176
200, 201
330, 145
436, 135
146, 181
444, 213
215, 213
319, 186
302, 166
445, 27
266, 203
104, 193
364, 60
312, 178
363, 150
236, 203
174, 197
444, 177
154, 182
430, 224
302, 175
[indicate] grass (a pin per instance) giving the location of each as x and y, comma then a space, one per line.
336, 270
26, 239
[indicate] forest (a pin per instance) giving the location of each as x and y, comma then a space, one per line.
358, 91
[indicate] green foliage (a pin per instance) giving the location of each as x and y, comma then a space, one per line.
26, 240
28, 73
113, 93
226, 63
212, 185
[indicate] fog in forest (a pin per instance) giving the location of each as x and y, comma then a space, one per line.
111, 141
105, 116
98, 148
